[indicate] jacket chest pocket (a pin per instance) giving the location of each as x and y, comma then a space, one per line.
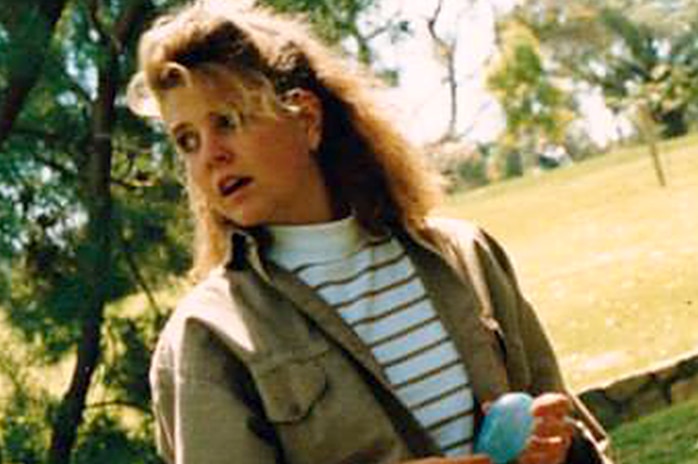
323, 411
291, 384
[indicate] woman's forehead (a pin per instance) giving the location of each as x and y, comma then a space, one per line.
193, 102
202, 95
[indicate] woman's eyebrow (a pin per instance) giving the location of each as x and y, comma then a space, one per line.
177, 127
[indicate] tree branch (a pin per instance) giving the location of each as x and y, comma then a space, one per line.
137, 274
104, 36
79, 91
475, 120
57, 142
350, 24
117, 403
22, 77
446, 51
431, 27
127, 24
389, 23
123, 28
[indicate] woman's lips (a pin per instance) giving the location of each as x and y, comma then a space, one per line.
231, 185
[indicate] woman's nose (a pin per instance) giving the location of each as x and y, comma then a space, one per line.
215, 149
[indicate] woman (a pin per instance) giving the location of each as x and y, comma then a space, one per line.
335, 321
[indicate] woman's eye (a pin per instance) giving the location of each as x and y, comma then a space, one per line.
187, 142
229, 121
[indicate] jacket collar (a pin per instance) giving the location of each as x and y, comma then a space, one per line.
246, 249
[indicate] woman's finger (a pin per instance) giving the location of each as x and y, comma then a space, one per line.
552, 405
474, 459
553, 427
545, 451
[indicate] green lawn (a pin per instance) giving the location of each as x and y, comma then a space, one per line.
607, 256
667, 437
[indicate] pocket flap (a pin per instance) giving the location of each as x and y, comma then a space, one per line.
290, 390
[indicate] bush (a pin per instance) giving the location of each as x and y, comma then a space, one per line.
105, 440
23, 433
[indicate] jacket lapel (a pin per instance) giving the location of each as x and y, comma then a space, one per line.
454, 300
315, 308
460, 312
329, 321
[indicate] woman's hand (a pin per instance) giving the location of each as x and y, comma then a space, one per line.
549, 443
476, 459
552, 434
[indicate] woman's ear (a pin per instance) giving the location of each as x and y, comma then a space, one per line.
308, 108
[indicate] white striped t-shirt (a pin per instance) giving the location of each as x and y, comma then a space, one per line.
374, 287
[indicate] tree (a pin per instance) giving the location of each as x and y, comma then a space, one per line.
92, 212
338, 20
446, 46
95, 267
642, 55
30, 26
71, 142
620, 46
445, 51
538, 110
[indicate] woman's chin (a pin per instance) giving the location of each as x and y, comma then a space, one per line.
245, 218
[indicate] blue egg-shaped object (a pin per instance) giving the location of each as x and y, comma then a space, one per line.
506, 428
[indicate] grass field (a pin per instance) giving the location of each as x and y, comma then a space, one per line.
607, 256
667, 437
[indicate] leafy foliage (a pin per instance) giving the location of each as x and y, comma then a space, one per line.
48, 173
636, 52
351, 23
106, 440
23, 434
537, 109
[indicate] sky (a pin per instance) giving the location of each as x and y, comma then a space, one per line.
420, 103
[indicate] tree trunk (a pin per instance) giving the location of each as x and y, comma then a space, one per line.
657, 162
97, 268
650, 130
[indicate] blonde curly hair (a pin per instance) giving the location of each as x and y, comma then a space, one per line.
367, 164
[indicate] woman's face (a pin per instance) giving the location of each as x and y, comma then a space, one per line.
254, 171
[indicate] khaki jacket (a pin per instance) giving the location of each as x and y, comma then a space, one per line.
255, 368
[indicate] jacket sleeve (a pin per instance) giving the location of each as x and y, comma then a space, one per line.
203, 411
590, 440
529, 356
519, 321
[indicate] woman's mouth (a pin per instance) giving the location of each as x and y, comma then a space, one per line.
231, 185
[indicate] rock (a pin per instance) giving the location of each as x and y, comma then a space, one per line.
651, 399
684, 389
623, 390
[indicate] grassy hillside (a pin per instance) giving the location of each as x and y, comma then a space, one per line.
666, 437
607, 256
